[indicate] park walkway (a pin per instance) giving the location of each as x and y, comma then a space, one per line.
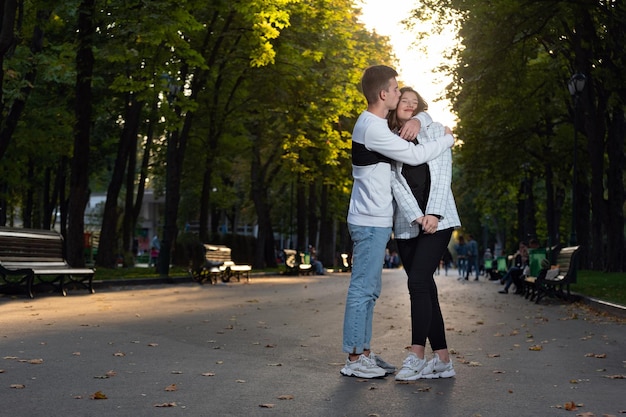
272, 348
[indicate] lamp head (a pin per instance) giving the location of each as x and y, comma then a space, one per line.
576, 84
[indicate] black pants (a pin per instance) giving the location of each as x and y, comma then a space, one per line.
420, 257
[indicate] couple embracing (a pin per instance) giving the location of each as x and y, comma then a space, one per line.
402, 169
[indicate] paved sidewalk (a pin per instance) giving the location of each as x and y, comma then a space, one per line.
272, 348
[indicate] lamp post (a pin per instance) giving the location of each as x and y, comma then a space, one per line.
576, 85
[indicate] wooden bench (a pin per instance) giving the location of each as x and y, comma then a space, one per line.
31, 257
499, 268
555, 282
218, 265
295, 262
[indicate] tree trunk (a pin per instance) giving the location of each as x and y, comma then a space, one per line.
108, 247
28, 209
301, 217
145, 163
79, 177
205, 197
264, 252
551, 223
128, 223
313, 218
9, 124
176, 146
615, 258
326, 250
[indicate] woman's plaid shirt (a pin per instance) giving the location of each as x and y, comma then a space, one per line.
440, 200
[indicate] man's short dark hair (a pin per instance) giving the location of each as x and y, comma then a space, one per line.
376, 79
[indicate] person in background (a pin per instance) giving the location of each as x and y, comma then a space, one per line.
446, 260
370, 212
423, 192
317, 265
461, 256
515, 272
155, 248
472, 258
488, 262
387, 258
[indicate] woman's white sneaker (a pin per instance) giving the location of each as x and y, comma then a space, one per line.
412, 368
438, 369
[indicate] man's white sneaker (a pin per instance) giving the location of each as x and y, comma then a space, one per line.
438, 369
389, 368
363, 367
412, 368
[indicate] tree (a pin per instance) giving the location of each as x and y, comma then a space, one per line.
517, 57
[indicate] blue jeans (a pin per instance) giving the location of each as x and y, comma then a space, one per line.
368, 255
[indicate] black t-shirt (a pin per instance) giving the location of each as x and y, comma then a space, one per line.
418, 178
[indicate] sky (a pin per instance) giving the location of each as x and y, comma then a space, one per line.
416, 67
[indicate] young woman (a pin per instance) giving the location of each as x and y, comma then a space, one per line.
421, 246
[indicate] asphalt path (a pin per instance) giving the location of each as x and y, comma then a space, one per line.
272, 347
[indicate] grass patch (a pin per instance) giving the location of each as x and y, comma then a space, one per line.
107, 274
606, 286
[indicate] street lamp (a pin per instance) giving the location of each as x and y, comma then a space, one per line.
576, 85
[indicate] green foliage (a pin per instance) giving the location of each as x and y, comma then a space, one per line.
509, 91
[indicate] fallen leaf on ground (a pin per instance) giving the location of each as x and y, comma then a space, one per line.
240, 381
266, 405
119, 354
208, 374
177, 372
285, 397
98, 395
76, 353
274, 364
165, 405
494, 355
570, 406
18, 386
614, 376
474, 363
535, 347
171, 387
153, 344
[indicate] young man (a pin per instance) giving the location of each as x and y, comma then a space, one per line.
370, 215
